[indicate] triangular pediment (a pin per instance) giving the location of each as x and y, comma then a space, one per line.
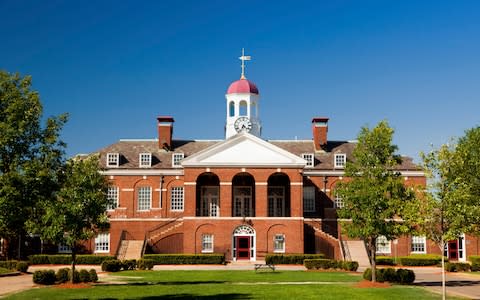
244, 150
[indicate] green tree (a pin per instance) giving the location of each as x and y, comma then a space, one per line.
451, 204
30, 154
374, 193
79, 212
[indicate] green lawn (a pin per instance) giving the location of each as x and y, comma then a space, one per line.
230, 285
5, 271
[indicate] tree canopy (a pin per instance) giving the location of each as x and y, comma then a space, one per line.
374, 193
31, 154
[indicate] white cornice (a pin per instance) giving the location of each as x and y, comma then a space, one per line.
140, 172
307, 172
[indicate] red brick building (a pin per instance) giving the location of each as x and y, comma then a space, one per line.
242, 196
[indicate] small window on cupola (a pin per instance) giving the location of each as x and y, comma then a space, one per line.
243, 108
231, 108
113, 159
145, 160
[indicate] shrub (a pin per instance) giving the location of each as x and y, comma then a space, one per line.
367, 274
191, 259
405, 276
320, 263
385, 261
9, 264
457, 267
76, 276
350, 266
420, 260
62, 275
475, 260
39, 259
129, 264
66, 259
387, 274
84, 276
22, 266
93, 275
112, 265
290, 259
145, 264
46, 277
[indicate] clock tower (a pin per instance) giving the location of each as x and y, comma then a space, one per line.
242, 105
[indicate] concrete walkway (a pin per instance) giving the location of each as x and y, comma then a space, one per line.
458, 284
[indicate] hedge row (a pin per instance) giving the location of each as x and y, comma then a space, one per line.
402, 276
457, 267
420, 260
115, 265
66, 259
475, 260
290, 259
185, 259
385, 261
48, 277
325, 264
21, 266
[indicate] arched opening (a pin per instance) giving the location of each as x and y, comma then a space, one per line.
243, 243
278, 195
243, 195
208, 195
254, 110
231, 109
243, 108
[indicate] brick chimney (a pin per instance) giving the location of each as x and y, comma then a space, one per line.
320, 129
165, 132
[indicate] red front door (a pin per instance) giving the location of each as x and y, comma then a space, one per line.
453, 250
243, 247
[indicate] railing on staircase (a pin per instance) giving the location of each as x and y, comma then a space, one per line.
152, 232
119, 246
345, 249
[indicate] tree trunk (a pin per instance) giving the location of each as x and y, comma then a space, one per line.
19, 246
74, 258
373, 251
444, 287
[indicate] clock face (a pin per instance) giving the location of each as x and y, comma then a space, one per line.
243, 124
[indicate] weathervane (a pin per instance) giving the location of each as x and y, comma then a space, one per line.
243, 58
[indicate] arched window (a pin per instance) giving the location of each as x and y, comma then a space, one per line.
243, 108
278, 195
254, 109
208, 195
231, 109
243, 195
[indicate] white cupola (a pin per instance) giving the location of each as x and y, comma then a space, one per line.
242, 105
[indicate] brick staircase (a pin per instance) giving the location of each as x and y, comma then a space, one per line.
157, 234
131, 249
358, 253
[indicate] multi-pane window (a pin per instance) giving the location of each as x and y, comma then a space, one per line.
176, 159
145, 160
340, 160
418, 244
339, 202
383, 245
144, 198
276, 201
242, 201
309, 199
310, 158
176, 198
207, 243
279, 243
102, 242
112, 196
64, 248
113, 159
209, 201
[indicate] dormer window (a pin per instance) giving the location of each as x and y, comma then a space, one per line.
310, 158
113, 159
176, 159
145, 160
340, 160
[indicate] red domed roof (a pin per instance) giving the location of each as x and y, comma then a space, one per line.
242, 86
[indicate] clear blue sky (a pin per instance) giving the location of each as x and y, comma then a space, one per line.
116, 65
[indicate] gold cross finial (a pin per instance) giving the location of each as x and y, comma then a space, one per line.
243, 58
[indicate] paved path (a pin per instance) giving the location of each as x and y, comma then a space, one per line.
463, 284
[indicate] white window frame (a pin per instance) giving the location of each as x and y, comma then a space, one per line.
279, 240
309, 199
276, 201
64, 248
113, 196
310, 158
207, 243
145, 160
384, 246
338, 202
336, 160
417, 241
176, 159
144, 198
102, 242
177, 198
113, 159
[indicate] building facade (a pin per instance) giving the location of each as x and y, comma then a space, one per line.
242, 196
